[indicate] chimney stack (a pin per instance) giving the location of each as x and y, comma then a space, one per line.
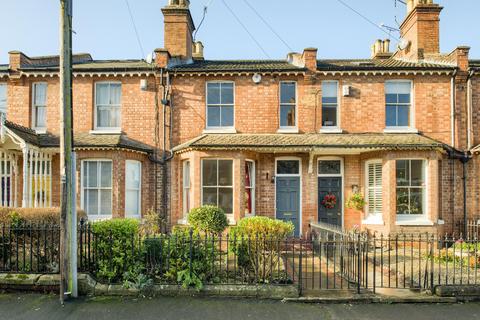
198, 51
381, 49
178, 29
421, 28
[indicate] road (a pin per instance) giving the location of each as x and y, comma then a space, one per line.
47, 307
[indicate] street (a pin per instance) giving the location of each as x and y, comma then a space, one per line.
40, 307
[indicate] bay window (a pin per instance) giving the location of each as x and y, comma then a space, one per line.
288, 104
3, 98
97, 188
217, 183
186, 188
133, 188
398, 99
249, 188
108, 96
39, 105
411, 188
220, 105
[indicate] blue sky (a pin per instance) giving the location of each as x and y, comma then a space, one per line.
103, 27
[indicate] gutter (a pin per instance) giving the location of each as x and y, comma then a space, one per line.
469, 109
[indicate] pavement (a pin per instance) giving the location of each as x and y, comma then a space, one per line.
47, 307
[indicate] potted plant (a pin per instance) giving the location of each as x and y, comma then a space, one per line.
356, 201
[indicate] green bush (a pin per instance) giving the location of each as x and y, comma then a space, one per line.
256, 243
116, 253
20, 216
208, 219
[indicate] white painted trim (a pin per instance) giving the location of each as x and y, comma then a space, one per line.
106, 129
288, 129
220, 129
341, 175
368, 219
300, 205
400, 130
82, 181
254, 188
331, 130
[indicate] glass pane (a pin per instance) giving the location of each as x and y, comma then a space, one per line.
106, 202
398, 87
3, 98
133, 175
102, 94
329, 89
91, 174
103, 117
403, 173
402, 201
186, 174
249, 174
404, 98
402, 116
115, 93
106, 174
288, 167
329, 116
91, 201
209, 196
287, 116
391, 116
213, 93
391, 98
40, 98
416, 201
329, 167
417, 173
287, 92
226, 96
225, 199
329, 100
225, 173
209, 172
40, 117
213, 117
227, 116
131, 202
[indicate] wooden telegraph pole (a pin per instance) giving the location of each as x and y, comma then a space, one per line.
68, 221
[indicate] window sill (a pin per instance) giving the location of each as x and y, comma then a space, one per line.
231, 220
220, 130
400, 130
113, 131
287, 130
182, 222
40, 131
331, 130
99, 218
373, 222
413, 222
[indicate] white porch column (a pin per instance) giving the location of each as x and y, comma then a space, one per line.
25, 177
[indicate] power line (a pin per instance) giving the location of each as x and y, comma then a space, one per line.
267, 24
246, 29
135, 28
366, 19
205, 9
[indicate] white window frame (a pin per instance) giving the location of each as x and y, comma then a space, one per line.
4, 84
82, 194
230, 215
375, 218
401, 129
186, 190
290, 175
287, 129
139, 190
34, 106
219, 129
414, 219
252, 187
332, 129
98, 129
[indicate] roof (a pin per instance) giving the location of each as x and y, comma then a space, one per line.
474, 64
81, 140
308, 142
236, 65
377, 64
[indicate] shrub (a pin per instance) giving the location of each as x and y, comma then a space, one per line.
18, 216
208, 219
256, 242
114, 242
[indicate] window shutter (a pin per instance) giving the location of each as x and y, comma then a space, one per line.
375, 188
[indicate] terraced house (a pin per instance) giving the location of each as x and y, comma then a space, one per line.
296, 139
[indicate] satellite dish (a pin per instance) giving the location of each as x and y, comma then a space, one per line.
149, 58
403, 44
257, 78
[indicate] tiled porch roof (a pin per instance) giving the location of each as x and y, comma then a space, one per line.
81, 140
310, 142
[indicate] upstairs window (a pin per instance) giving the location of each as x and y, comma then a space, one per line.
329, 104
398, 103
288, 105
108, 96
3, 98
220, 105
39, 105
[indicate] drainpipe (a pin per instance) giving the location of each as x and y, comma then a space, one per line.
469, 109
452, 107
